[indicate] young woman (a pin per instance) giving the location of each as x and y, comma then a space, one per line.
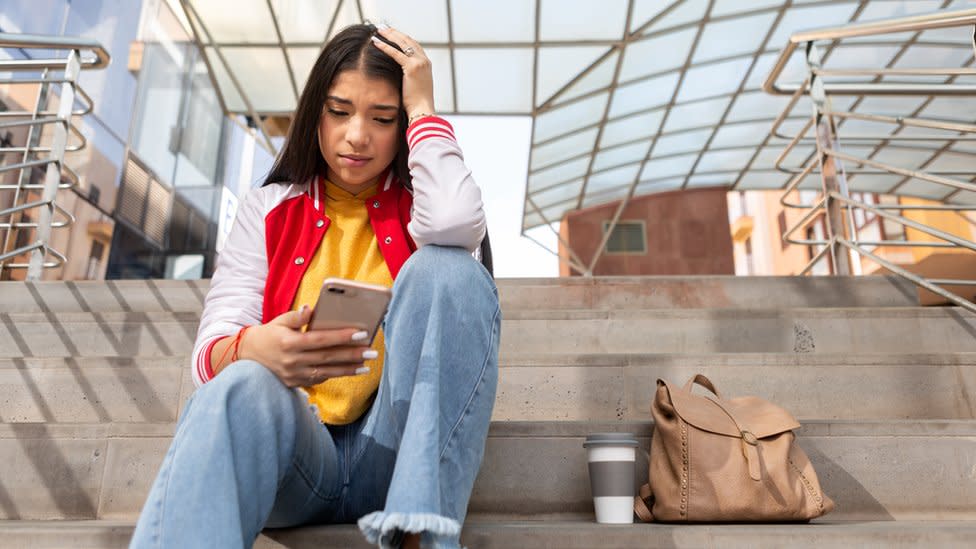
292, 427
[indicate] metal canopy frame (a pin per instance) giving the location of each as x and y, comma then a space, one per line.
585, 177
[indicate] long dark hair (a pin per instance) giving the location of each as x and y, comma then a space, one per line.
351, 49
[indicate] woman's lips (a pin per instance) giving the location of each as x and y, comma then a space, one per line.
354, 161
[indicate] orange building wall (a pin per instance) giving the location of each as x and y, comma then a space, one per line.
687, 232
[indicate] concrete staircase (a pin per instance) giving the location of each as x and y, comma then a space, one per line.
93, 375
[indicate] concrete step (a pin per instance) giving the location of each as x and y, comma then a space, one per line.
601, 387
647, 292
904, 470
108, 534
836, 330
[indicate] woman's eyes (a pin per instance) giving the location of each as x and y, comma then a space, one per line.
380, 120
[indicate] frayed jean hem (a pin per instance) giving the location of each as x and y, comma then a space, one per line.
437, 532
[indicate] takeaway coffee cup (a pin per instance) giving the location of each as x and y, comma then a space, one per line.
611, 458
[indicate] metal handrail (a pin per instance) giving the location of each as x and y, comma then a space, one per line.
934, 20
82, 54
833, 203
45, 42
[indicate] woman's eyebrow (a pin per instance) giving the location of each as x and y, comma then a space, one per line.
344, 101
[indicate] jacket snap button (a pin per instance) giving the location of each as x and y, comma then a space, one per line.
319, 223
299, 260
388, 240
376, 204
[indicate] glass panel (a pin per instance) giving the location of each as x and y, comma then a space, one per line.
599, 78
806, 17
247, 21
713, 79
620, 155
902, 157
924, 189
302, 60
885, 10
630, 128
558, 65
643, 95
921, 55
498, 21
764, 65
564, 148
666, 167
157, 111
891, 106
440, 61
875, 183
717, 161
681, 142
758, 105
576, 20
954, 161
763, 179
558, 174
303, 20
347, 15
766, 158
557, 195
858, 57
741, 35
957, 35
494, 80
659, 185
696, 114
727, 7
254, 68
689, 11
656, 54
604, 197
645, 10
612, 178
423, 20
751, 134
712, 180
853, 126
949, 108
565, 119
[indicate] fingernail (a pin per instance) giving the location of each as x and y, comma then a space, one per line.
363, 370
302, 309
375, 39
370, 354
382, 26
360, 336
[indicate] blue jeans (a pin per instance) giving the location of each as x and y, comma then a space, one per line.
249, 452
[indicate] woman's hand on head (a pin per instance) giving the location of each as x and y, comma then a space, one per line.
302, 359
418, 79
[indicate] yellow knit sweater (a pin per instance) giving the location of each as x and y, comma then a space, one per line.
348, 250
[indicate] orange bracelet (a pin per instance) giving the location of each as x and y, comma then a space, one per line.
237, 344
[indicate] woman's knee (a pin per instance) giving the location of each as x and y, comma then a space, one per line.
245, 388
434, 267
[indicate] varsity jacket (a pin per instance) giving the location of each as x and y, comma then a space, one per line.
279, 227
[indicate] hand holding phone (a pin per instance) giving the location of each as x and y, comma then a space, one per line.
350, 304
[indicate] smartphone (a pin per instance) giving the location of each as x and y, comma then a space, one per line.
350, 304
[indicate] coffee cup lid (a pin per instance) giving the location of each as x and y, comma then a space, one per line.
610, 439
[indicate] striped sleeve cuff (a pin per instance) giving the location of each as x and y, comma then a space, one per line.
204, 368
429, 127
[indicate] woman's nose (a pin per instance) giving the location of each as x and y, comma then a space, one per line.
356, 133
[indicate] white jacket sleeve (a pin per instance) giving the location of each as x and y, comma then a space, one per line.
236, 295
447, 206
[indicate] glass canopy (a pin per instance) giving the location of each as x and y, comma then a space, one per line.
651, 94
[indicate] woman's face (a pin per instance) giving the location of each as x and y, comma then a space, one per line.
358, 129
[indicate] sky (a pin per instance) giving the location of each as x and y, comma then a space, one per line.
496, 149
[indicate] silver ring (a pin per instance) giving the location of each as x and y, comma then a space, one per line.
408, 51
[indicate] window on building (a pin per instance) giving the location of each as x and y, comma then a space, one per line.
95, 260
750, 266
781, 219
628, 237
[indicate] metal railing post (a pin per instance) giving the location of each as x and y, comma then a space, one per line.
52, 176
831, 168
